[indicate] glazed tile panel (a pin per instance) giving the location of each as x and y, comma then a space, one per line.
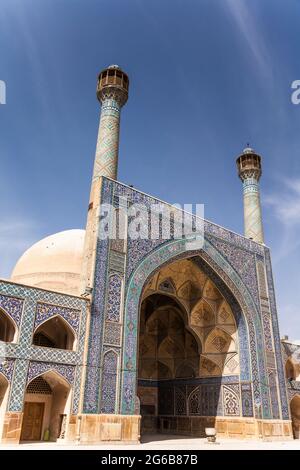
231, 257
29, 307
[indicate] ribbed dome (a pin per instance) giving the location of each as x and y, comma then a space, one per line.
53, 263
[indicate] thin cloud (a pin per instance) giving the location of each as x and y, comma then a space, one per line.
248, 25
285, 205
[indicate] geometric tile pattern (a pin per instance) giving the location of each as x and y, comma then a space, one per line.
37, 368
231, 399
247, 400
13, 307
274, 394
158, 258
45, 311
7, 368
37, 306
92, 381
112, 334
106, 158
276, 339
109, 380
232, 259
114, 298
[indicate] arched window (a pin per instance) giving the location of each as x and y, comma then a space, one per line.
55, 333
7, 328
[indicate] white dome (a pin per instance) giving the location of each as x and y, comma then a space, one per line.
53, 263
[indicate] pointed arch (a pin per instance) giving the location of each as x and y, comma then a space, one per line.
48, 400
245, 311
109, 381
194, 402
55, 332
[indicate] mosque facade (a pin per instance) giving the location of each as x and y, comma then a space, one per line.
128, 328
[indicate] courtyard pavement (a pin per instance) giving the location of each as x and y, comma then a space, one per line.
166, 442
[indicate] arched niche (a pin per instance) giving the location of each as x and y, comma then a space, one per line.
46, 407
55, 333
228, 281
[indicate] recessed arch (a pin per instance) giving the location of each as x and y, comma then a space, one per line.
8, 328
245, 309
46, 407
55, 332
169, 355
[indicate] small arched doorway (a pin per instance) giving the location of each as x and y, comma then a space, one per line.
4, 388
295, 412
46, 407
54, 333
7, 328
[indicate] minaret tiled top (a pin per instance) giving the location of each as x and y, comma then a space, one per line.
249, 171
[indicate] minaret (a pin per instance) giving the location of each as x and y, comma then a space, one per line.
249, 170
112, 92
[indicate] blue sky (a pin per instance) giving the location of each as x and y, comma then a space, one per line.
207, 76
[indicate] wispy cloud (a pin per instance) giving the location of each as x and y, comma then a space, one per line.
247, 23
286, 204
286, 208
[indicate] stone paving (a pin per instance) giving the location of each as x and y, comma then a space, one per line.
165, 442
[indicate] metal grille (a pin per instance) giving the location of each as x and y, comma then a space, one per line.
39, 385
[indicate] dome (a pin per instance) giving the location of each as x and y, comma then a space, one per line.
53, 263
